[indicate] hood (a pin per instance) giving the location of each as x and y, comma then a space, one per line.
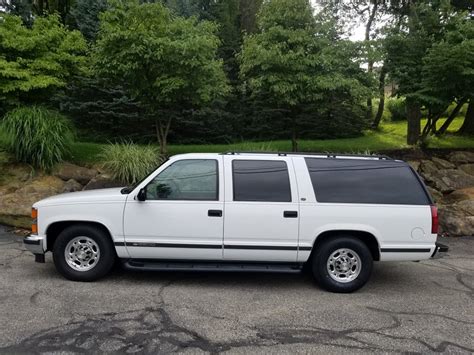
90, 196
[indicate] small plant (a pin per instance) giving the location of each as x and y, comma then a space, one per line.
397, 108
37, 136
129, 162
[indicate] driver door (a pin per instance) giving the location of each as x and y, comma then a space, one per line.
182, 215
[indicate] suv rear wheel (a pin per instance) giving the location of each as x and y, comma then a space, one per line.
83, 253
342, 264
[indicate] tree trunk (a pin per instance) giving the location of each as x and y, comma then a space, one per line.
294, 135
451, 117
162, 130
248, 19
414, 120
370, 61
378, 116
467, 127
430, 123
370, 69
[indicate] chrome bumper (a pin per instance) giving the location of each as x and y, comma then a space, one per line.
34, 243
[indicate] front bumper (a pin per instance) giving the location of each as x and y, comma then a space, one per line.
440, 248
35, 244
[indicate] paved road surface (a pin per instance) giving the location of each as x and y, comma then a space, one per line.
406, 307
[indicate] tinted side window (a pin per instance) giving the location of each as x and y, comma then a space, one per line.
192, 179
365, 181
261, 180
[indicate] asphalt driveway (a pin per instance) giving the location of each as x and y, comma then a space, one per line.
406, 307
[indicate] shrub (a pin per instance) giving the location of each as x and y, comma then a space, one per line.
37, 136
129, 162
397, 108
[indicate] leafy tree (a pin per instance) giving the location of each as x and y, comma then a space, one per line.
448, 70
45, 7
406, 47
35, 62
420, 54
22, 8
167, 63
30, 9
295, 62
370, 14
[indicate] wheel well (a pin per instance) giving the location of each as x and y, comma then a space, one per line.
365, 237
56, 228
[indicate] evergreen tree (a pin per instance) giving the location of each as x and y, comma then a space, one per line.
296, 63
85, 17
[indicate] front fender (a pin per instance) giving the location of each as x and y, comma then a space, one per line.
110, 215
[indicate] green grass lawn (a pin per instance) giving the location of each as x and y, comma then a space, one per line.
391, 135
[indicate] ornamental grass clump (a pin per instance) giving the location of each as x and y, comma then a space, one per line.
37, 136
129, 162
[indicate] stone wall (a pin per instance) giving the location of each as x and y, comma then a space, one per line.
20, 187
450, 180
449, 176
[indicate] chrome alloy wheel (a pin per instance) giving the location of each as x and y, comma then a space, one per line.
82, 253
344, 265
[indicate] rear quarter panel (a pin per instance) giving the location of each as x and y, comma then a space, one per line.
394, 226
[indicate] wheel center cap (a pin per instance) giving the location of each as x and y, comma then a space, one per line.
83, 254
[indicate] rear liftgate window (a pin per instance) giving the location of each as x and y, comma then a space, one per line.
365, 181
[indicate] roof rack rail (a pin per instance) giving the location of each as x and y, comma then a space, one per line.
327, 155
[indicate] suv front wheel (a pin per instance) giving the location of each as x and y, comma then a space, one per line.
83, 253
342, 264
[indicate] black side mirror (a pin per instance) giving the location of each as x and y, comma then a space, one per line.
141, 195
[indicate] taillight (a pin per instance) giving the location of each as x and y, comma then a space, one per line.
34, 220
434, 219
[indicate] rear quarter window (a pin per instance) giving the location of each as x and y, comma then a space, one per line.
365, 181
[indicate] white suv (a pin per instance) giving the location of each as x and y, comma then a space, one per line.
261, 212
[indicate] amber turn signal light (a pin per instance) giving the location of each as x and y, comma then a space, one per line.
34, 220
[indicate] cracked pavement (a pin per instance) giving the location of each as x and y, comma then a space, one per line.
425, 307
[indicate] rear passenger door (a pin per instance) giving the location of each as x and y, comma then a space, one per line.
261, 209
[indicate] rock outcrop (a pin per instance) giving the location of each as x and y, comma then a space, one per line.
449, 177
68, 171
451, 184
15, 203
21, 187
102, 181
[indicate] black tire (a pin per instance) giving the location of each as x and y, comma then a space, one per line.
320, 260
104, 263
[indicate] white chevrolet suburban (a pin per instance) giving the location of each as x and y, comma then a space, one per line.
264, 212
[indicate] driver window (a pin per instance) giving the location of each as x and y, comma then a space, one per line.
192, 179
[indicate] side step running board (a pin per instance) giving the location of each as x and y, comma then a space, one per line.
210, 266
